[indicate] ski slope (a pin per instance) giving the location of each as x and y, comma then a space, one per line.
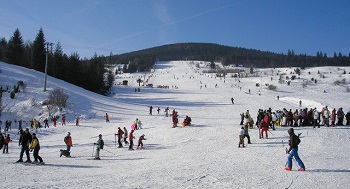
204, 155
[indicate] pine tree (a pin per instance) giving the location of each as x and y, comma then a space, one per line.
38, 50
15, 48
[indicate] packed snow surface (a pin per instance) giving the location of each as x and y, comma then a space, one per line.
204, 155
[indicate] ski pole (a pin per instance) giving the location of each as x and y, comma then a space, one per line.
93, 149
109, 152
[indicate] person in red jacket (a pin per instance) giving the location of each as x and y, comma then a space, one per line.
6, 144
120, 136
131, 139
264, 125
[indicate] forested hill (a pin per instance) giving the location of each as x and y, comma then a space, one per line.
234, 55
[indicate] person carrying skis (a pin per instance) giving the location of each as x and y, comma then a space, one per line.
99, 145
24, 140
293, 151
120, 134
68, 141
140, 144
34, 145
125, 136
131, 139
6, 144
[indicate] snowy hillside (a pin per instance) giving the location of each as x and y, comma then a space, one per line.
204, 155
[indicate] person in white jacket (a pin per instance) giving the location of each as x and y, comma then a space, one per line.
315, 116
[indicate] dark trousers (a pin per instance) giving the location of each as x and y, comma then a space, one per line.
6, 148
24, 149
247, 135
126, 142
120, 142
131, 146
36, 155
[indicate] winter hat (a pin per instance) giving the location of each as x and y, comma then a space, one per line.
100, 135
291, 131
34, 134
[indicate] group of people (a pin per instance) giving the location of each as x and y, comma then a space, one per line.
301, 117
264, 120
29, 142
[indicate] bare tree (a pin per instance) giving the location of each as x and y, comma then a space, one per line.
58, 98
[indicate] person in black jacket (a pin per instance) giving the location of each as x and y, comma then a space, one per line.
293, 151
25, 140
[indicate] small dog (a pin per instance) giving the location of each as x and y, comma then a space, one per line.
65, 153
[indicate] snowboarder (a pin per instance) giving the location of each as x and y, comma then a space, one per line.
131, 139
99, 145
293, 151
120, 134
140, 144
25, 140
34, 145
125, 136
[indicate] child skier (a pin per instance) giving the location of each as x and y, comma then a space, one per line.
140, 144
99, 145
241, 137
34, 145
293, 151
6, 144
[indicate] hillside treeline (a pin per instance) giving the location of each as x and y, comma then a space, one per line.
88, 74
240, 56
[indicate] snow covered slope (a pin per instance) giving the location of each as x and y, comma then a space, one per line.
204, 155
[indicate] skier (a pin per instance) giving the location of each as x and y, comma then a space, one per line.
54, 119
150, 110
68, 141
232, 100
125, 136
158, 110
63, 120
99, 145
34, 145
264, 125
6, 143
242, 118
24, 140
315, 117
293, 151
107, 118
77, 121
120, 134
46, 123
241, 137
140, 144
131, 139
347, 117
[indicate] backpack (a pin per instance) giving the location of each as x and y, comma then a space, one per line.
298, 141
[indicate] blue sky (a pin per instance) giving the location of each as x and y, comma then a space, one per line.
120, 26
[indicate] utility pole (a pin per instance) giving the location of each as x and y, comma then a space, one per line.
46, 63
